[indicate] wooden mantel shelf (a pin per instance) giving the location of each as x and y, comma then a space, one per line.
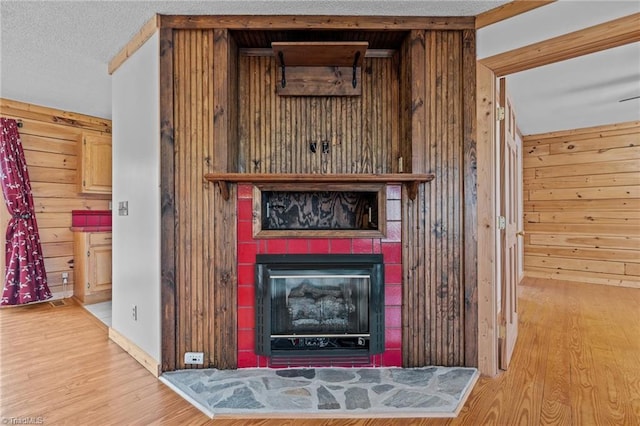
411, 180
321, 53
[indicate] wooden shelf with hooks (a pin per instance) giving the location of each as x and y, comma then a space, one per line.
319, 68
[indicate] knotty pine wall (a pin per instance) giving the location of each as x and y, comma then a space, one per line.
582, 205
50, 141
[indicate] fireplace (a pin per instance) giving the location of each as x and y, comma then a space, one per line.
326, 307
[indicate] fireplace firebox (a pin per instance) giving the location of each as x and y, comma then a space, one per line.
320, 306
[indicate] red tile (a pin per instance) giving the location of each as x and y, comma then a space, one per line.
245, 210
362, 246
394, 210
392, 358
246, 318
276, 246
392, 252
394, 232
247, 252
246, 274
263, 246
392, 316
393, 273
263, 361
246, 339
393, 338
394, 192
78, 220
376, 246
245, 232
298, 246
246, 295
319, 245
247, 359
340, 246
245, 191
393, 295
93, 220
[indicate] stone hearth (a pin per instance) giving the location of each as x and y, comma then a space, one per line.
326, 392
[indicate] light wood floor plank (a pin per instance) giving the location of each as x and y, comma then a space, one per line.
576, 362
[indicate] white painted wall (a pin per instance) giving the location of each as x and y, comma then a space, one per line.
136, 179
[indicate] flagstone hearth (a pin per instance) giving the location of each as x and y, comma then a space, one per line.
325, 392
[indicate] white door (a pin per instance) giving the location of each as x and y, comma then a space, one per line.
509, 210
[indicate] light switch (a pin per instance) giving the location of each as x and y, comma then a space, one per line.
123, 208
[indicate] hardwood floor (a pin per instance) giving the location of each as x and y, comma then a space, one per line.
576, 362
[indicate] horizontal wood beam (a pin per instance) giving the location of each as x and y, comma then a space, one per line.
319, 22
599, 37
317, 178
508, 10
145, 33
411, 180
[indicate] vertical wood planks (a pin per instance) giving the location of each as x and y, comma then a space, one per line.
204, 223
168, 293
348, 134
438, 263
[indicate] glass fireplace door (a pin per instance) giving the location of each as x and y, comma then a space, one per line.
330, 305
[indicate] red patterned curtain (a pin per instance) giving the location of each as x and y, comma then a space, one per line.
25, 279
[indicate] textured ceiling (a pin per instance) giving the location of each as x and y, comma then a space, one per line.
56, 53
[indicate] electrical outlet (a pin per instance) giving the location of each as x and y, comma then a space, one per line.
65, 278
134, 312
194, 358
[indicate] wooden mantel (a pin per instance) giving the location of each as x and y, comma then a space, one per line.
411, 180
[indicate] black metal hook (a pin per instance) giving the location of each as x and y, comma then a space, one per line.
354, 82
284, 80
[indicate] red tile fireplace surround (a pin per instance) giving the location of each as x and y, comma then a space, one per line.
249, 247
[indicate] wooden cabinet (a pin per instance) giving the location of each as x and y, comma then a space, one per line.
92, 266
94, 168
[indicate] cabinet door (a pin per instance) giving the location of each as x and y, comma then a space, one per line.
100, 268
95, 167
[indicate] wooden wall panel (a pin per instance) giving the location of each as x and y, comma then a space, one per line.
361, 133
435, 271
581, 203
50, 142
205, 273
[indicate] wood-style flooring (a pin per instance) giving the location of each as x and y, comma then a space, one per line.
576, 362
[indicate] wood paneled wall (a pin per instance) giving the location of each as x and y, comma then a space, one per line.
50, 141
418, 103
439, 260
276, 131
582, 205
204, 243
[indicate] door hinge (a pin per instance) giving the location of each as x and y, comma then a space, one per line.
500, 113
502, 331
88, 285
88, 253
502, 222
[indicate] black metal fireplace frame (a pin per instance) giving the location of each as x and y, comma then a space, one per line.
273, 264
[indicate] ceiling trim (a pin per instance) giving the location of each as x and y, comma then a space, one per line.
507, 11
586, 130
317, 22
141, 37
22, 110
600, 37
